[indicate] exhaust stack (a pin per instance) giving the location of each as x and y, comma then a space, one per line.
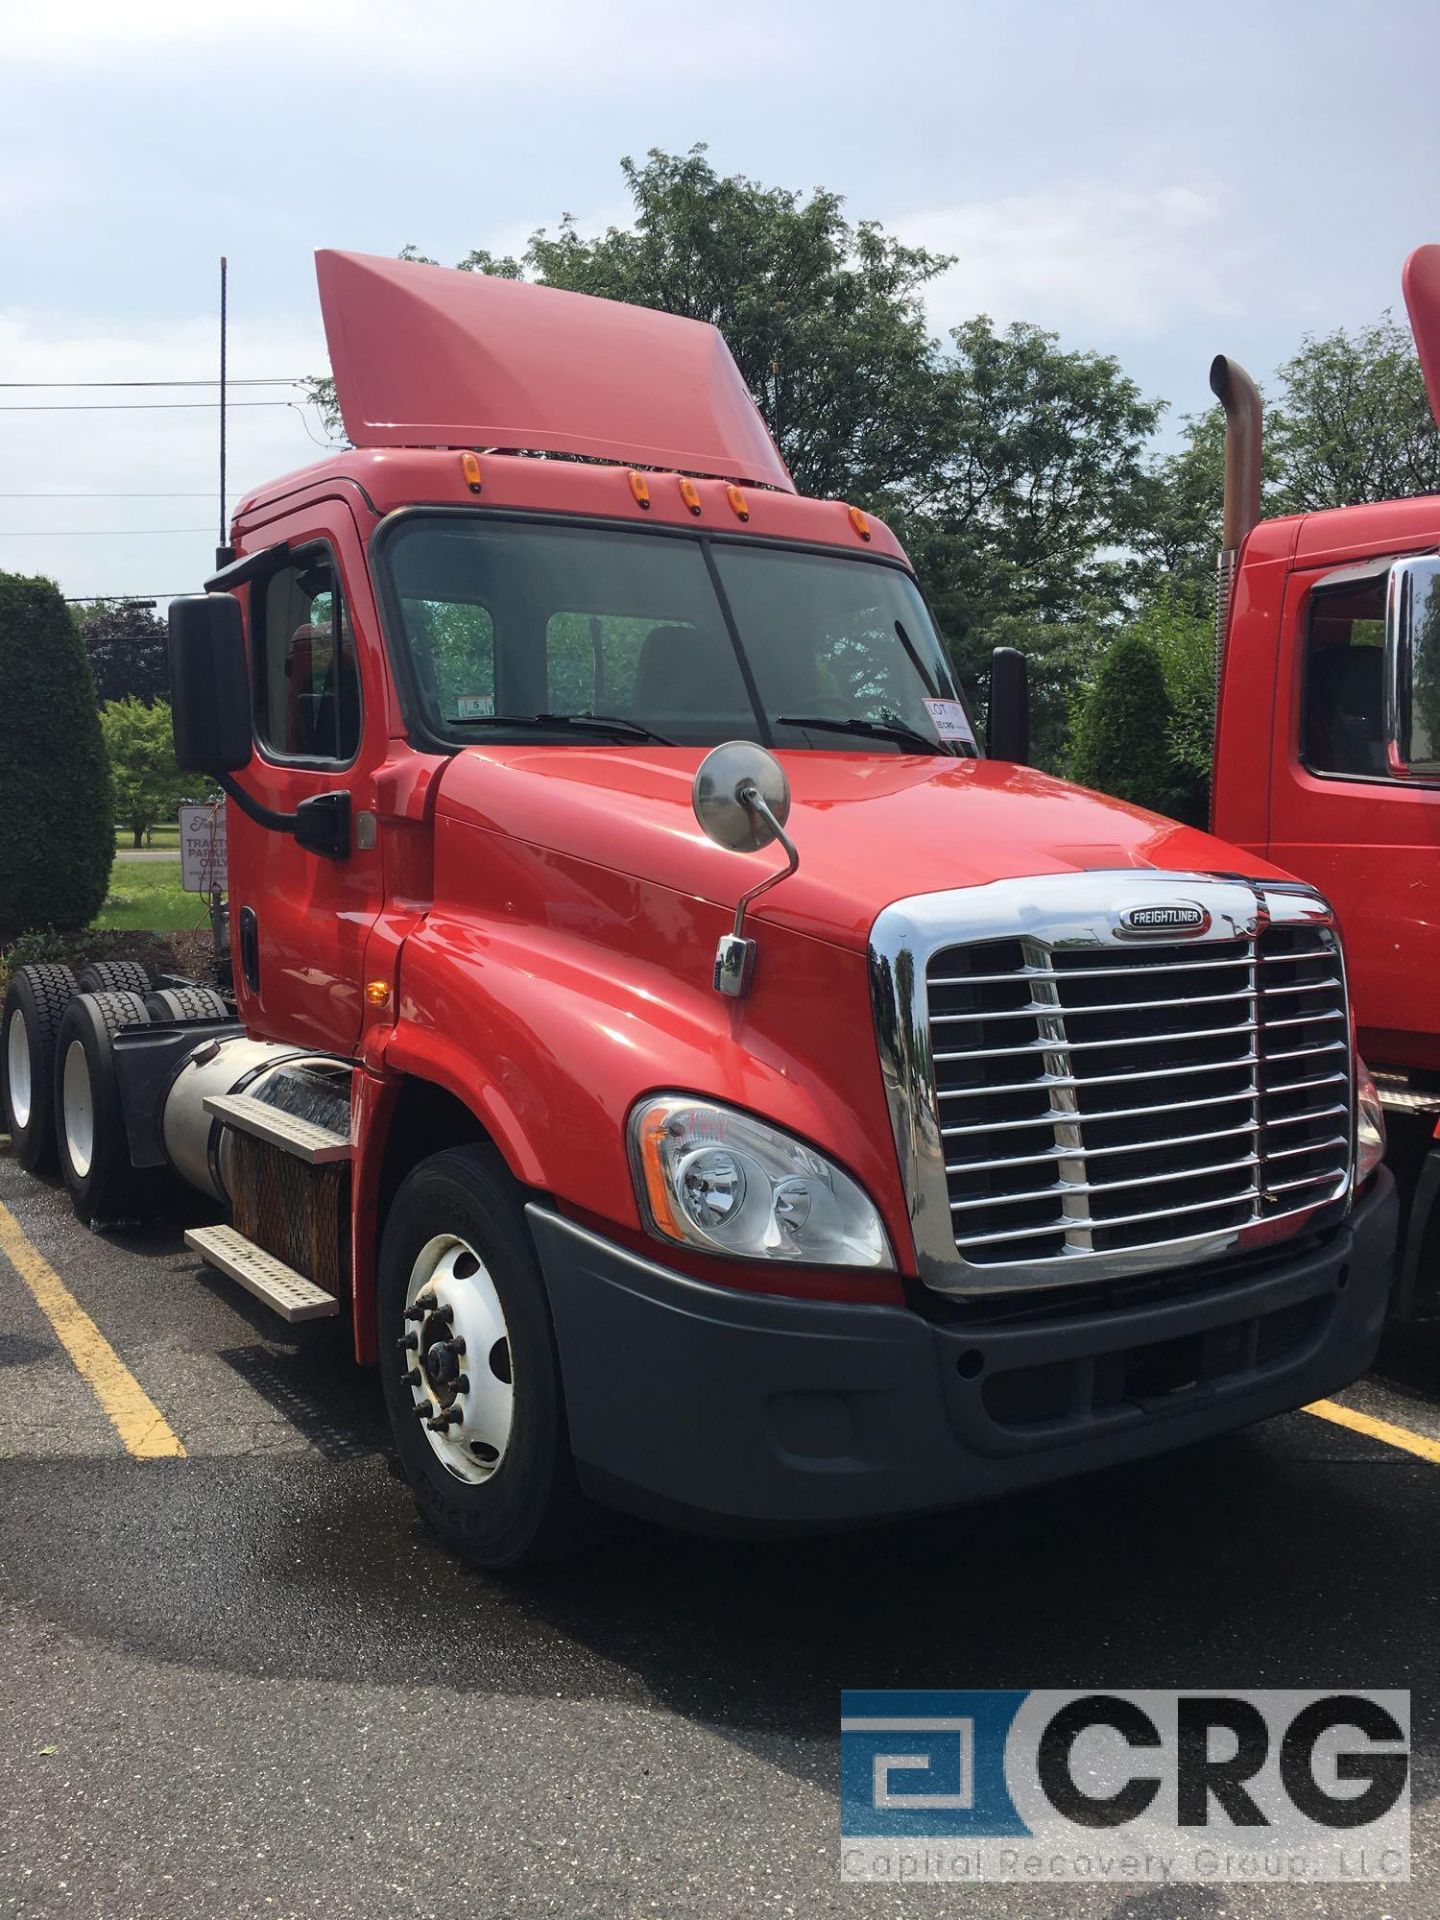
1240, 397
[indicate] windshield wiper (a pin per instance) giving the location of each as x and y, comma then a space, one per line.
876, 729
591, 722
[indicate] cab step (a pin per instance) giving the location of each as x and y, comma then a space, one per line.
317, 1146
290, 1294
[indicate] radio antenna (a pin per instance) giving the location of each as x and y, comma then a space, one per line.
222, 551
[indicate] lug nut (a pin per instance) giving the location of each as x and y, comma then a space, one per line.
449, 1418
422, 1410
462, 1383
408, 1342
457, 1345
414, 1378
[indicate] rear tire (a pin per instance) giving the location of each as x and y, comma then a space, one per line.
456, 1233
185, 1004
114, 976
35, 1002
90, 1136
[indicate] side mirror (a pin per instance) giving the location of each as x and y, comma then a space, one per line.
742, 801
1412, 670
209, 684
1007, 731
741, 796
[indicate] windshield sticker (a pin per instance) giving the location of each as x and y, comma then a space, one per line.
474, 706
951, 721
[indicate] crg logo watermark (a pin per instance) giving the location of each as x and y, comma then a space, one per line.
1149, 1786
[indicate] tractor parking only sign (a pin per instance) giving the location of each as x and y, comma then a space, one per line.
202, 849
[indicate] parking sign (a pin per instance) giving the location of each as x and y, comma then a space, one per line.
203, 848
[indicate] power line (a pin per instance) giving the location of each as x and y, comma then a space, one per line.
130, 406
124, 599
90, 533
209, 495
55, 385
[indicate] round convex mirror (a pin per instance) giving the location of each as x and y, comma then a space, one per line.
722, 777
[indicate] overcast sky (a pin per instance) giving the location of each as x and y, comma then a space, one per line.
1157, 181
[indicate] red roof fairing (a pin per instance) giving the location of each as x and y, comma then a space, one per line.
431, 356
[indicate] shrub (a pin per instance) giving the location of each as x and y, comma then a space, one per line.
57, 835
1122, 735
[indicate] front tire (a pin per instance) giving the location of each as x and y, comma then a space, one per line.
94, 1148
35, 1003
471, 1379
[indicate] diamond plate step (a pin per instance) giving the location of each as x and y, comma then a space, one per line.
317, 1146
291, 1295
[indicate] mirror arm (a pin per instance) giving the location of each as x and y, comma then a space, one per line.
753, 801
735, 955
255, 810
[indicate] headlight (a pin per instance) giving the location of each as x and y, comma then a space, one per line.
1369, 1124
714, 1178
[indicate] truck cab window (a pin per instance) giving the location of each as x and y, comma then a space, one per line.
1344, 717
307, 681
693, 641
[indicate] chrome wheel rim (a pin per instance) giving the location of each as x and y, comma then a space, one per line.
455, 1356
17, 1062
79, 1115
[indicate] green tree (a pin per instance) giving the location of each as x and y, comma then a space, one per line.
56, 828
1122, 733
148, 784
1184, 643
1353, 422
1035, 491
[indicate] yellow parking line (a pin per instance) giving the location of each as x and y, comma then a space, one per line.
142, 1427
1419, 1444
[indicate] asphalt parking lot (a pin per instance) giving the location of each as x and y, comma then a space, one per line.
240, 1679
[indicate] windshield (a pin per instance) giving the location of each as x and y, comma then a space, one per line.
513, 630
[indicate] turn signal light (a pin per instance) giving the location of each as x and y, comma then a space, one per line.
690, 494
737, 502
377, 992
640, 487
470, 471
860, 523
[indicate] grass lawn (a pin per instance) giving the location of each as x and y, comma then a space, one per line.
145, 896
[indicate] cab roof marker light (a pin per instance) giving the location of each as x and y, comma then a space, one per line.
640, 487
738, 504
690, 494
859, 522
470, 471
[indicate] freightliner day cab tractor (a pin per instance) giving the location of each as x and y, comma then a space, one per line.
707, 1084
1328, 755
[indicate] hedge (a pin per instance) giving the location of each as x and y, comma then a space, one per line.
57, 833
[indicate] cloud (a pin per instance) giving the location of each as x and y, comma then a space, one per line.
570, 41
1116, 260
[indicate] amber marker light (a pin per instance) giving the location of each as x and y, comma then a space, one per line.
690, 494
860, 523
470, 471
640, 487
377, 992
737, 503
649, 1134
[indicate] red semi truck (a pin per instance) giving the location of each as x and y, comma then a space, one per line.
707, 1083
1327, 754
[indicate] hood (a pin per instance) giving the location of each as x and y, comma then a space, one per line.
870, 829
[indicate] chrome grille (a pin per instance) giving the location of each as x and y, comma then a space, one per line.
1099, 1100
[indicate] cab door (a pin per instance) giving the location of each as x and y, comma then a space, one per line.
1368, 841
299, 919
